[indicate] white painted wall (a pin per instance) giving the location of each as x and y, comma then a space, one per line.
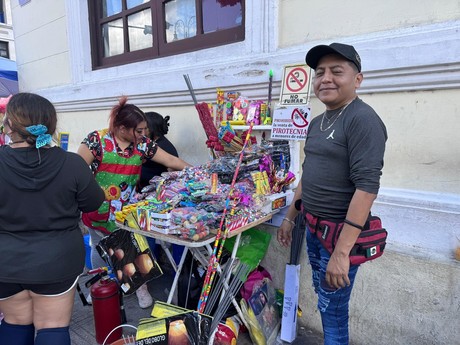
303, 21
40, 30
423, 152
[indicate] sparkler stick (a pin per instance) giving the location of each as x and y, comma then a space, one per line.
237, 281
214, 295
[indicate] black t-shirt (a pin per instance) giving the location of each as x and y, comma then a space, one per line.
150, 168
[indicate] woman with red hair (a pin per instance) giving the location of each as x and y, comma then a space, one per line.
115, 156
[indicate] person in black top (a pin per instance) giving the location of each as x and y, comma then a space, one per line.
44, 189
157, 129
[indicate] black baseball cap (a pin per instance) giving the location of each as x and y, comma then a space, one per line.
344, 50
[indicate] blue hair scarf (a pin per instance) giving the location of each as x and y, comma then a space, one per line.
39, 131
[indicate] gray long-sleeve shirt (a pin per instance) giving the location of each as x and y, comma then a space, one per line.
341, 159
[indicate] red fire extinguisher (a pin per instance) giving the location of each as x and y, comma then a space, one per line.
105, 295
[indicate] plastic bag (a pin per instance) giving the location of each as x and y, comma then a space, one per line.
253, 246
255, 331
227, 334
262, 314
254, 280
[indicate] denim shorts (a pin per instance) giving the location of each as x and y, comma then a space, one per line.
55, 289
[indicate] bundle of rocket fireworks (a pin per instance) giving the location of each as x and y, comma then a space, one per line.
214, 143
260, 179
233, 141
205, 118
229, 139
220, 106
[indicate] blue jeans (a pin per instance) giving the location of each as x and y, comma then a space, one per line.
332, 303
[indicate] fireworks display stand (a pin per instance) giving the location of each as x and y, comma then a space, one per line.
201, 249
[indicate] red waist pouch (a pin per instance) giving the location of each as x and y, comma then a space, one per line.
369, 245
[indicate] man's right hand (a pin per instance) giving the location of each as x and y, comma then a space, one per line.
284, 234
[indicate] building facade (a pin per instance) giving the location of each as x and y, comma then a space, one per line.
83, 57
7, 48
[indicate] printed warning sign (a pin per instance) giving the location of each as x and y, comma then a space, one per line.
295, 85
291, 122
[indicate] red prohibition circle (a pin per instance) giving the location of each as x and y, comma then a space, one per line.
296, 113
294, 76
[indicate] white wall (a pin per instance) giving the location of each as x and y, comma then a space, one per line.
305, 21
40, 30
423, 152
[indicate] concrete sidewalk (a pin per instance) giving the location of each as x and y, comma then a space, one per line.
82, 325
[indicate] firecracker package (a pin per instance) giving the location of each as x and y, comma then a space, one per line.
149, 220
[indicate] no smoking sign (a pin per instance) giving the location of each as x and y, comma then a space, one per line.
296, 80
295, 85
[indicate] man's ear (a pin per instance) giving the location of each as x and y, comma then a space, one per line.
358, 79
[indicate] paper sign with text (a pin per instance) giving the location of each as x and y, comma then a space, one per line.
290, 122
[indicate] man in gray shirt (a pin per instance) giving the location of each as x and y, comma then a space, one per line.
341, 177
